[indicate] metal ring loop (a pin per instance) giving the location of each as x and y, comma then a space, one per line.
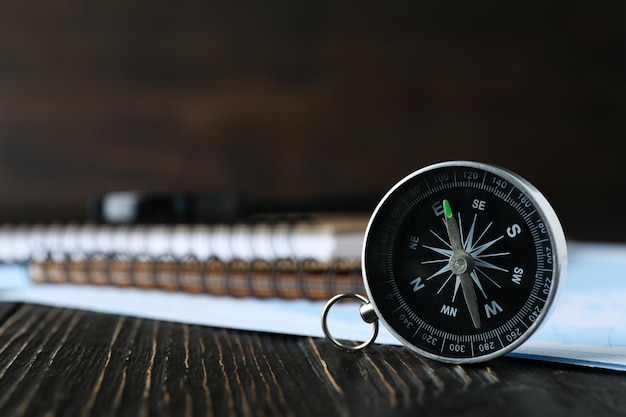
335, 341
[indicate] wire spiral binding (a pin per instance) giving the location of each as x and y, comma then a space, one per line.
259, 278
258, 259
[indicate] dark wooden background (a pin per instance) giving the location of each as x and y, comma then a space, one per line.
301, 98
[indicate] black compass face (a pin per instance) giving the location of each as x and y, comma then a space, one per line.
461, 261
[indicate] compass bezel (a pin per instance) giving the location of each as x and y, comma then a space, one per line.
554, 233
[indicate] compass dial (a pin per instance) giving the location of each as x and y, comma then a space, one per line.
462, 261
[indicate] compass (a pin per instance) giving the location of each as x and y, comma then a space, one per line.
461, 262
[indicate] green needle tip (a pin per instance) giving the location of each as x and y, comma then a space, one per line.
447, 209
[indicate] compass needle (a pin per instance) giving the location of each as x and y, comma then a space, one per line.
453, 228
470, 298
461, 264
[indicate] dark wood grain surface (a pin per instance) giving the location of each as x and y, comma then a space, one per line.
59, 362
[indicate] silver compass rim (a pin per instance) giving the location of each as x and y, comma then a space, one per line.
555, 232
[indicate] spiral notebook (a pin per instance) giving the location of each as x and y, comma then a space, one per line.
311, 257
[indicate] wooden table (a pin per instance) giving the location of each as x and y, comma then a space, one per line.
61, 362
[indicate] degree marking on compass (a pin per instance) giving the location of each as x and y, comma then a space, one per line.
397, 309
538, 298
416, 331
405, 203
529, 214
509, 194
429, 328
393, 227
498, 193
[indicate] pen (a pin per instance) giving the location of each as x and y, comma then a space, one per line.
132, 207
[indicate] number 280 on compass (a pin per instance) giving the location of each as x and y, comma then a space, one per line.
462, 261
